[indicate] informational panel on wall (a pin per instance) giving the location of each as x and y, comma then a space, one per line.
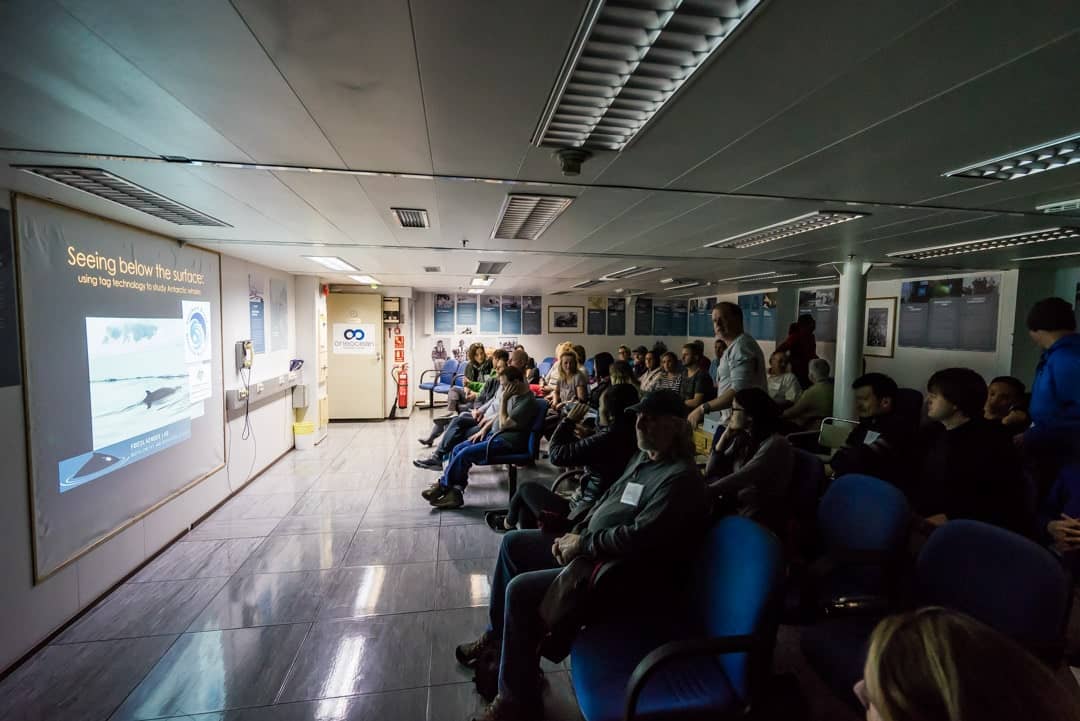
279, 314
759, 315
490, 310
596, 315
10, 366
532, 315
821, 303
661, 316
257, 311
466, 313
679, 314
511, 314
958, 313
616, 316
701, 317
123, 373
643, 316
444, 313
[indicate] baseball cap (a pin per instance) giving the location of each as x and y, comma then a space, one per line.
660, 403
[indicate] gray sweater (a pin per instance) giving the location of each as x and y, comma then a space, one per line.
759, 482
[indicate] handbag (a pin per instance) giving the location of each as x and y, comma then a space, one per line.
563, 607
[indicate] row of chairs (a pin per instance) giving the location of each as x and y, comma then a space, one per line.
442, 380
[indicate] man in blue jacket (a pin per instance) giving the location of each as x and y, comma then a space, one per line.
1055, 416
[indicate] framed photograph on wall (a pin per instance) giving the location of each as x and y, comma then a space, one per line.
879, 330
566, 319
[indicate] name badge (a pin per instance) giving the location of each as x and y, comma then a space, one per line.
632, 494
871, 436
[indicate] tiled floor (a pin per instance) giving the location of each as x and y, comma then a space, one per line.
327, 589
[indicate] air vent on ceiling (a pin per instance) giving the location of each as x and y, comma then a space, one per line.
629, 58
525, 217
432, 269
112, 187
411, 217
491, 268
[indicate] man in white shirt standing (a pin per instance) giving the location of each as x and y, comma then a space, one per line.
741, 366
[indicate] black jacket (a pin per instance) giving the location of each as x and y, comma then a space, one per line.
604, 454
888, 457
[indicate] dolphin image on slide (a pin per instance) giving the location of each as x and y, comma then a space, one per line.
157, 395
97, 462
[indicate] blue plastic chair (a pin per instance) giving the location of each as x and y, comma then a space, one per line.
442, 380
590, 367
706, 654
529, 455
545, 367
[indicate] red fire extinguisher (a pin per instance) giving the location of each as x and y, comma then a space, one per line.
403, 387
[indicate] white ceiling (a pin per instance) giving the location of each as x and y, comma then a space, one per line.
839, 104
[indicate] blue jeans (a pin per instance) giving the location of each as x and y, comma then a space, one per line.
524, 571
458, 430
465, 456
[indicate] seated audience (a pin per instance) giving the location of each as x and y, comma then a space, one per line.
784, 387
603, 453
801, 347
624, 353
479, 365
510, 430
670, 377
652, 371
696, 385
579, 351
602, 364
622, 373
571, 383
934, 664
742, 364
652, 515
815, 403
464, 424
968, 467
881, 444
1005, 404
468, 397
749, 470
639, 360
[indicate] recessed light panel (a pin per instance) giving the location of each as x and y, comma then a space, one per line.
786, 228
476, 291
1022, 163
756, 276
365, 279
1064, 206
481, 282
332, 262
632, 272
985, 244
525, 217
808, 280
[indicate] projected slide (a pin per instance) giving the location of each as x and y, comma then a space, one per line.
125, 393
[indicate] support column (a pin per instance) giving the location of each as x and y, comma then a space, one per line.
849, 335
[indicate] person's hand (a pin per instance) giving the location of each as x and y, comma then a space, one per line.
566, 548
577, 412
477, 414
1065, 532
721, 439
583, 431
469, 394
1016, 416
696, 416
937, 520
476, 437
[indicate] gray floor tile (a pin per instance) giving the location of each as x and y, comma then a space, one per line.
292, 525
472, 541
411, 518
449, 629
244, 505
307, 552
361, 481
455, 701
464, 583
408, 705
282, 482
144, 609
376, 590
384, 546
265, 599
380, 653
198, 559
361, 458
216, 670
333, 503
242, 528
79, 682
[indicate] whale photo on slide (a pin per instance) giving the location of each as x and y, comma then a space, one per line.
138, 378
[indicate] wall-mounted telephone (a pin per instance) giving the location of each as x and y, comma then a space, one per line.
245, 354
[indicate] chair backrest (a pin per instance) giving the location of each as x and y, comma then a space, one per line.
863, 513
834, 432
910, 406
538, 428
545, 367
590, 367
1000, 578
807, 482
735, 580
446, 375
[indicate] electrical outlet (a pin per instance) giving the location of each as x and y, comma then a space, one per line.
259, 388
241, 394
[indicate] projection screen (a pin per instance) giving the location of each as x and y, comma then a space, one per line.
123, 375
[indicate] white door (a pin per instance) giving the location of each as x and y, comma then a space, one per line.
355, 375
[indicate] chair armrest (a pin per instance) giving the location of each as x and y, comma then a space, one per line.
454, 380
676, 650
429, 370
487, 447
565, 477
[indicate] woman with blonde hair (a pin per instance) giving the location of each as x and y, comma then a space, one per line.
940, 665
552, 377
571, 385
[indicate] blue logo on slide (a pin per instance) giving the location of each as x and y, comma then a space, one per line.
354, 334
196, 332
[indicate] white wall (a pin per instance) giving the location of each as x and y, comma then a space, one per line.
31, 613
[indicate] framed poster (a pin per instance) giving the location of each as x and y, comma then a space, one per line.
566, 319
879, 331
596, 318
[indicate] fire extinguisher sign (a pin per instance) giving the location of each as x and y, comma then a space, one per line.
399, 341
399, 355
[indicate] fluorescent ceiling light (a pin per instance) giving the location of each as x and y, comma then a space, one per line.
476, 291
1048, 257
632, 272
587, 284
525, 217
105, 185
786, 228
627, 61
1022, 163
665, 281
808, 280
1064, 206
984, 244
681, 295
332, 262
365, 279
482, 282
684, 285
756, 276
411, 217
